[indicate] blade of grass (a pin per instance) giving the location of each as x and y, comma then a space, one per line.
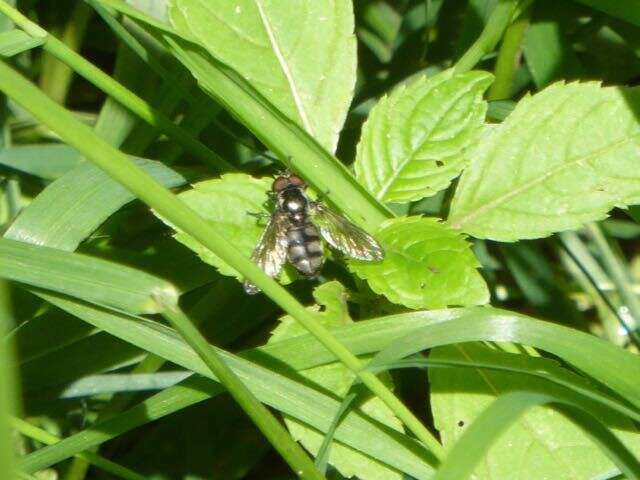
596, 357
48, 161
127, 98
579, 254
8, 398
117, 165
311, 405
16, 41
273, 430
89, 278
490, 36
31, 431
56, 219
539, 368
619, 274
322, 459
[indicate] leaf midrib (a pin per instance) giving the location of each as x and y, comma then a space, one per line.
297, 100
425, 138
464, 219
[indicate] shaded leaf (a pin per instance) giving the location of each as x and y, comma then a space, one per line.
426, 265
300, 55
338, 379
564, 157
415, 140
57, 219
48, 161
90, 279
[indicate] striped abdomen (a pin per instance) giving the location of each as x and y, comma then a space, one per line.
305, 250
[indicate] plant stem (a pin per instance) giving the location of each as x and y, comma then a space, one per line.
490, 36
273, 430
31, 431
620, 277
508, 58
111, 87
143, 186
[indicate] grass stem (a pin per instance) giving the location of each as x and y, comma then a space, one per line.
490, 36
29, 430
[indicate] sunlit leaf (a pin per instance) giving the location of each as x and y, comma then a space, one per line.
300, 55
459, 395
426, 265
564, 157
415, 140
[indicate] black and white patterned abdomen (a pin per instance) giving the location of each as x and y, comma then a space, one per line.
305, 250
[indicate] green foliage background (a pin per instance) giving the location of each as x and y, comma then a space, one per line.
491, 146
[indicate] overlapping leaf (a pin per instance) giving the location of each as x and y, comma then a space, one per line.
415, 140
459, 395
228, 203
426, 265
337, 378
300, 55
564, 157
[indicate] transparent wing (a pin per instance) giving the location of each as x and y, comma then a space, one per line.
344, 236
271, 252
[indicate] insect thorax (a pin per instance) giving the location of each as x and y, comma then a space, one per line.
295, 203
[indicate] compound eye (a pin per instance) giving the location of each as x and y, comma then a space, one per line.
297, 181
280, 184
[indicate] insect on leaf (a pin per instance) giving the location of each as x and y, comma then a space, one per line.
415, 140
564, 157
426, 265
228, 203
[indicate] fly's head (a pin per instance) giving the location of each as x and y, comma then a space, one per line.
287, 181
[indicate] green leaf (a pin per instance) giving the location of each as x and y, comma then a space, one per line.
504, 411
415, 140
603, 361
426, 265
564, 157
301, 56
338, 379
16, 41
57, 219
84, 277
282, 136
154, 8
460, 395
227, 203
405, 333
48, 161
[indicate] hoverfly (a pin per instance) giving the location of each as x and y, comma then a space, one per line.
294, 230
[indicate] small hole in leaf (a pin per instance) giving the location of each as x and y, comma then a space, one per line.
439, 163
461, 423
